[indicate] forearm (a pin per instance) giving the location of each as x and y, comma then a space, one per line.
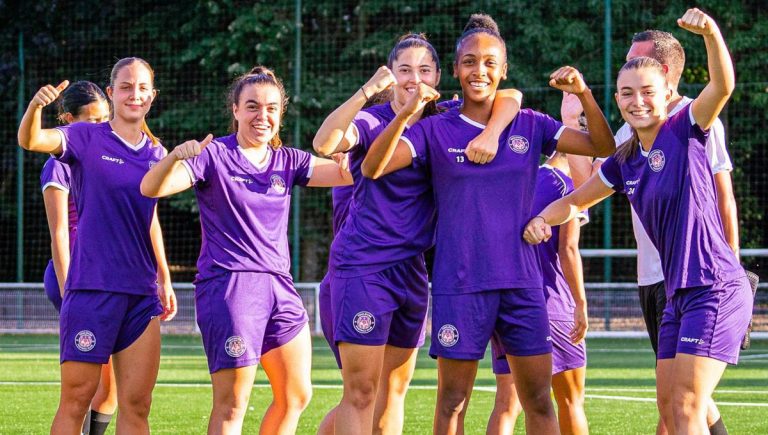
331, 133
729, 216
559, 212
60, 257
721, 74
159, 181
31, 135
599, 131
158, 247
506, 106
381, 151
570, 261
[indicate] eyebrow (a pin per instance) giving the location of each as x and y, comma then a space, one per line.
257, 103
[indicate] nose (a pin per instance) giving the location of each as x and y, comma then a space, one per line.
637, 98
136, 94
261, 114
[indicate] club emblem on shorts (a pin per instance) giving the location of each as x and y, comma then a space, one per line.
364, 322
85, 341
518, 144
448, 335
656, 160
277, 183
235, 346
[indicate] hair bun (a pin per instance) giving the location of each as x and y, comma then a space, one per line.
482, 21
419, 36
260, 69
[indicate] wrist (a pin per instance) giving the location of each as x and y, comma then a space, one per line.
365, 93
538, 216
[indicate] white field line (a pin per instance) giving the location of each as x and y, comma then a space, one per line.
431, 387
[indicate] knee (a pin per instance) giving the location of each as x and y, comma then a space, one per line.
137, 405
451, 401
360, 393
685, 407
76, 398
298, 400
538, 402
571, 401
231, 407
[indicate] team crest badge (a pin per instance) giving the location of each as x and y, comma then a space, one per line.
277, 183
85, 341
364, 322
656, 160
518, 144
235, 346
448, 335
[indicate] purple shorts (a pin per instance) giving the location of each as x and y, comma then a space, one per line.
243, 315
94, 324
707, 321
51, 285
326, 316
565, 355
462, 324
386, 307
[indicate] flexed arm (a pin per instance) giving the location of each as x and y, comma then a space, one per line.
598, 141
168, 176
336, 134
483, 148
707, 106
32, 136
388, 152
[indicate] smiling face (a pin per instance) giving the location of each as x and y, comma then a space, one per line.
412, 66
258, 113
481, 64
132, 92
642, 97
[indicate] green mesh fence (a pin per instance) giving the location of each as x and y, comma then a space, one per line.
196, 48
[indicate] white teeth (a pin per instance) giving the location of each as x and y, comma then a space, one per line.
410, 90
478, 85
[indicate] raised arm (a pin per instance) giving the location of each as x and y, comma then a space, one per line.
168, 176
388, 152
598, 141
32, 136
571, 115
164, 288
483, 148
337, 134
707, 106
57, 214
570, 261
564, 209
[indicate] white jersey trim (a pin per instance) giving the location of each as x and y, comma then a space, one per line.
135, 147
312, 161
602, 177
559, 132
63, 144
191, 174
471, 122
55, 185
410, 146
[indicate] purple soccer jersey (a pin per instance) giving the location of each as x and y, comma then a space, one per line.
391, 219
671, 187
114, 249
57, 175
341, 197
482, 209
244, 208
551, 185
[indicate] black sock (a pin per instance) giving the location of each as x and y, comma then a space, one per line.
99, 422
718, 428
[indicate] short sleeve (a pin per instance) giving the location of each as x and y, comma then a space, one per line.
551, 129
416, 138
717, 153
368, 126
302, 163
74, 137
685, 128
449, 104
610, 173
55, 174
200, 168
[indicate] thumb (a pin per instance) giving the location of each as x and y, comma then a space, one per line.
206, 141
63, 85
455, 97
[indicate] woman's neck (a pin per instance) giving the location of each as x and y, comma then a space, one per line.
648, 135
248, 145
129, 131
478, 111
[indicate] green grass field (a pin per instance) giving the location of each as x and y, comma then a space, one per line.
620, 389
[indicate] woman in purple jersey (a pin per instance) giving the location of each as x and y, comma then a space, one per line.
378, 279
247, 308
664, 171
83, 101
485, 279
118, 268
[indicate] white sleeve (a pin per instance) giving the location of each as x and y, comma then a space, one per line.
717, 153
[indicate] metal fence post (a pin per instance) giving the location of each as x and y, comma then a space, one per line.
20, 193
296, 205
607, 217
